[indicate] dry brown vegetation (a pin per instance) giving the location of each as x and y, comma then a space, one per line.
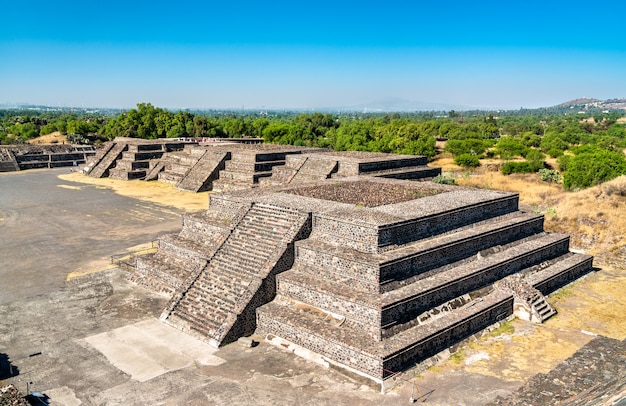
52, 138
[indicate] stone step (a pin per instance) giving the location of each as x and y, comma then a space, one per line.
201, 175
185, 249
378, 167
149, 147
263, 237
123, 174
423, 255
169, 177
238, 265
173, 266
101, 168
352, 347
131, 165
177, 169
141, 156
162, 274
389, 270
315, 169
249, 167
423, 172
566, 270
439, 214
155, 169
251, 251
405, 304
401, 305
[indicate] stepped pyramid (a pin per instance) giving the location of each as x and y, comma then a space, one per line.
367, 273
394, 272
129, 158
324, 164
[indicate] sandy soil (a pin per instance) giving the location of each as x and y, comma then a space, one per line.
155, 192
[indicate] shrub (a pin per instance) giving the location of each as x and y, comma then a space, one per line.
509, 147
563, 162
467, 161
470, 146
593, 165
553, 142
549, 175
516, 167
555, 153
534, 155
444, 180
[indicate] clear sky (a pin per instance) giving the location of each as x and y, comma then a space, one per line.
298, 54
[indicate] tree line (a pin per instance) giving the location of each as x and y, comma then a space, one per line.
589, 148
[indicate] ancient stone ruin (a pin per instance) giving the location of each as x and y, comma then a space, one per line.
233, 164
371, 274
23, 157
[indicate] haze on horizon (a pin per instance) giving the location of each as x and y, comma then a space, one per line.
310, 55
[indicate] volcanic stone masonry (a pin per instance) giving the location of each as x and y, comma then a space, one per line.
235, 163
23, 157
371, 274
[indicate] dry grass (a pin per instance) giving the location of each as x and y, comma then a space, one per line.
52, 138
519, 356
155, 192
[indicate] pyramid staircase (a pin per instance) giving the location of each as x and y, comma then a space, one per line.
201, 175
218, 303
154, 169
138, 160
179, 256
7, 161
105, 159
247, 168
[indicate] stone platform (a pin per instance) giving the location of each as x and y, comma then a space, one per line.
370, 274
23, 157
226, 165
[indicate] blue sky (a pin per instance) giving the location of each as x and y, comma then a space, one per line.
190, 54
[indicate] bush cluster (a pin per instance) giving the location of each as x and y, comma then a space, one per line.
467, 160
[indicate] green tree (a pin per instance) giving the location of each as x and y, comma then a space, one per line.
592, 165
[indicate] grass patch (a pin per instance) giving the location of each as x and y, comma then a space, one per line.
562, 294
505, 328
458, 357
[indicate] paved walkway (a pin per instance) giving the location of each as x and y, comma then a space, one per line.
50, 228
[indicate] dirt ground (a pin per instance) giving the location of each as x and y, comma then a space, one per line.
57, 230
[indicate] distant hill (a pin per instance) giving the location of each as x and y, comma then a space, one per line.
593, 105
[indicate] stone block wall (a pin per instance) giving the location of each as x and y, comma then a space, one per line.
412, 230
365, 167
446, 332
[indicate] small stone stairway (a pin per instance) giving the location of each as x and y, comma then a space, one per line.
540, 308
529, 303
220, 302
154, 170
315, 169
201, 176
107, 161
7, 161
